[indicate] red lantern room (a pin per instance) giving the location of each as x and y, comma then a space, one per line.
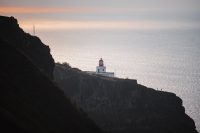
101, 62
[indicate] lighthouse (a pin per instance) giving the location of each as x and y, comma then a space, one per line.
101, 68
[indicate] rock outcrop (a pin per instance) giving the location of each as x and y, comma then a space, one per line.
122, 105
29, 101
30, 46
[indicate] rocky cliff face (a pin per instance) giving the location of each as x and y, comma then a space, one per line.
122, 105
30, 46
29, 100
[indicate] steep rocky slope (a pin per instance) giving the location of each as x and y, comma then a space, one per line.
122, 105
29, 101
30, 46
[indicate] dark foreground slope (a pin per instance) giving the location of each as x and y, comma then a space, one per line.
29, 100
122, 105
31, 46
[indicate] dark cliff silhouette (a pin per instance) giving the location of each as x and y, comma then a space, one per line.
122, 105
31, 46
29, 100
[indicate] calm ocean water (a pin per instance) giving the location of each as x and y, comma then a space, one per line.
167, 60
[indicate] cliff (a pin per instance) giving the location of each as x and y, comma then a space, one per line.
122, 105
29, 101
30, 46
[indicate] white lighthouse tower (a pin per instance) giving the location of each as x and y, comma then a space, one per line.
101, 68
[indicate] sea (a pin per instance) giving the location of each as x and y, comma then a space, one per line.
167, 60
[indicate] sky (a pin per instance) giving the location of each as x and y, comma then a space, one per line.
104, 14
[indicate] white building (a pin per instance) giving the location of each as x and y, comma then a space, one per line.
101, 70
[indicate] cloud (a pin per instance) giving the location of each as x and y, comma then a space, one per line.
115, 18
39, 10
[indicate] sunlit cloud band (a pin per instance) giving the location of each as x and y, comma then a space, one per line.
28, 10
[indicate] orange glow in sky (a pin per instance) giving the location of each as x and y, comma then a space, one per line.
128, 22
26, 10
